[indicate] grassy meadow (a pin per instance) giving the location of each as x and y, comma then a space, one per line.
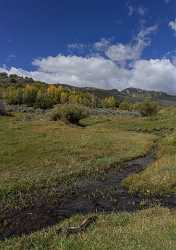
38, 154
159, 178
37, 150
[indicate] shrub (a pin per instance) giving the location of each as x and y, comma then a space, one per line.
2, 108
69, 113
125, 105
64, 97
136, 106
148, 108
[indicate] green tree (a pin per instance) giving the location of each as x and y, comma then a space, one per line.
64, 97
11, 96
125, 105
54, 93
19, 96
74, 99
109, 102
43, 100
30, 95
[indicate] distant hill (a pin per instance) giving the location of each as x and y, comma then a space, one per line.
140, 94
14, 79
133, 94
101, 93
136, 92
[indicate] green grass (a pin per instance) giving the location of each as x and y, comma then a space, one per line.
36, 150
37, 155
160, 177
161, 124
153, 229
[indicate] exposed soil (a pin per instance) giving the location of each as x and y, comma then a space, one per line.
87, 196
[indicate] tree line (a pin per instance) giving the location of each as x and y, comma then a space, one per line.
47, 96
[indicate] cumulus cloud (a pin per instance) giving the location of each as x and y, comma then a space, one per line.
82, 71
158, 74
115, 65
154, 75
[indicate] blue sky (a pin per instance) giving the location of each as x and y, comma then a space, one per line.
105, 44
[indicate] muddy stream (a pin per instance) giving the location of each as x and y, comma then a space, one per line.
88, 196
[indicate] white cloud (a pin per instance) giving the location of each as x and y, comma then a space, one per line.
118, 52
132, 51
81, 71
158, 74
102, 45
121, 53
154, 75
119, 66
172, 25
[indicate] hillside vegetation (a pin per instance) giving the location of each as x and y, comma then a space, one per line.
134, 95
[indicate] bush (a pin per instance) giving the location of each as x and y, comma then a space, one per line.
69, 113
136, 107
2, 108
125, 105
148, 108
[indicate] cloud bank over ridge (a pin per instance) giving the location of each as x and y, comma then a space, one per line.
107, 65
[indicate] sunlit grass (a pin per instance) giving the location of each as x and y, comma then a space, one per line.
160, 177
42, 149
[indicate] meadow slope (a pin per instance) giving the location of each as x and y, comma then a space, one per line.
38, 155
